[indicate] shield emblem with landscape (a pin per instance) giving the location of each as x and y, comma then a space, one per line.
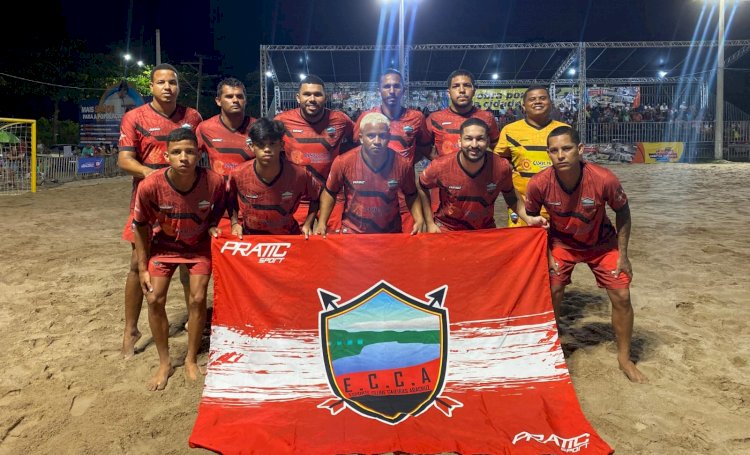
385, 352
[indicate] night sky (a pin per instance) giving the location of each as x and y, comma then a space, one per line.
229, 32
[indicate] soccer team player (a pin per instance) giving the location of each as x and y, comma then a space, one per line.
315, 136
408, 134
575, 194
187, 202
371, 176
275, 176
524, 142
143, 135
469, 182
267, 190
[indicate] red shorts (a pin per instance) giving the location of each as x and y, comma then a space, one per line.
128, 232
164, 266
601, 261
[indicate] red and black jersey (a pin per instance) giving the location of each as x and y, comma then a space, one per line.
578, 218
268, 208
467, 201
225, 147
144, 131
315, 146
371, 195
407, 132
444, 127
183, 217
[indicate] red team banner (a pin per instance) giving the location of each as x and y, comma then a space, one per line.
388, 342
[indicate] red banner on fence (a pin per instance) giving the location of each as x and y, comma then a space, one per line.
380, 343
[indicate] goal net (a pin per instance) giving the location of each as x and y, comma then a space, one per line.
18, 167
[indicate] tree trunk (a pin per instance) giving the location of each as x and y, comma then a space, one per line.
55, 117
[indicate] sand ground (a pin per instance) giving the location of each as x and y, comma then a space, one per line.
64, 388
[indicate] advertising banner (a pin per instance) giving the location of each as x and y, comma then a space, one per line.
99, 119
90, 165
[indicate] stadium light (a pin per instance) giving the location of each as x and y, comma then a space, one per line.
572, 72
495, 76
302, 76
139, 63
401, 46
662, 74
269, 74
127, 57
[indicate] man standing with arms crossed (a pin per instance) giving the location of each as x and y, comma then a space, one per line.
187, 202
408, 131
575, 193
315, 136
143, 135
524, 142
469, 182
372, 176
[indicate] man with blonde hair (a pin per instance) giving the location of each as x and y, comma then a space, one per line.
371, 176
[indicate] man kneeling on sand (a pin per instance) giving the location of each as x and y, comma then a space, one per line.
184, 204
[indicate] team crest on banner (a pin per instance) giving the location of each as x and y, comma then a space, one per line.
385, 352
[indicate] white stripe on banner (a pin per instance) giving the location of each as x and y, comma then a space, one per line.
482, 354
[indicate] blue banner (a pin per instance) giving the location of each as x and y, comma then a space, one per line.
91, 165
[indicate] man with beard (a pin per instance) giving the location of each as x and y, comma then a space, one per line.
443, 126
524, 142
315, 136
469, 182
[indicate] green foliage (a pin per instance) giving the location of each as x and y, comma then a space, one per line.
67, 132
361, 339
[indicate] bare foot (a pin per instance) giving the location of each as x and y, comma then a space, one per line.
159, 381
632, 372
193, 371
128, 343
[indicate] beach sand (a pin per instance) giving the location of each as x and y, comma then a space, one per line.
65, 388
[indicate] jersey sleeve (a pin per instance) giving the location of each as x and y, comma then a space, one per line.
145, 199
503, 148
313, 186
494, 130
506, 176
613, 192
335, 177
534, 199
428, 177
408, 181
128, 134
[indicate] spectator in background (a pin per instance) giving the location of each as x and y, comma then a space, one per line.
88, 150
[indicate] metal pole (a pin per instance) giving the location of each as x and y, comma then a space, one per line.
158, 47
401, 37
719, 129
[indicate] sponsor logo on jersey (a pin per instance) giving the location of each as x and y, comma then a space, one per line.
203, 205
266, 253
217, 139
286, 195
393, 183
187, 126
251, 196
298, 131
249, 142
358, 182
491, 187
566, 445
331, 131
554, 203
447, 123
408, 129
155, 129
454, 187
587, 202
165, 207
542, 163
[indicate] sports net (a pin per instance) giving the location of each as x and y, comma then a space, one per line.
18, 173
